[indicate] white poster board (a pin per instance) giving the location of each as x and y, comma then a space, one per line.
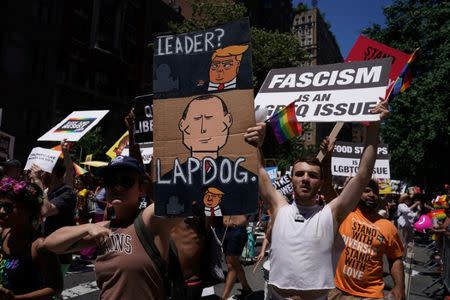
146, 152
43, 158
74, 126
344, 92
346, 158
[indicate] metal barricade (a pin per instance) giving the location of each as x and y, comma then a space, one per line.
446, 262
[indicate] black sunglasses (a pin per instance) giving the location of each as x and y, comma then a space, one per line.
123, 180
8, 207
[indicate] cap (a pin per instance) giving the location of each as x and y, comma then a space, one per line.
12, 163
124, 163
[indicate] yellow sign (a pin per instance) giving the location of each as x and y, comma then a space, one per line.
117, 148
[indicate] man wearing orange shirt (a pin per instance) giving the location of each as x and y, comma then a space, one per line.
367, 236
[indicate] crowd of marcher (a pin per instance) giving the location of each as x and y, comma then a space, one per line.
318, 249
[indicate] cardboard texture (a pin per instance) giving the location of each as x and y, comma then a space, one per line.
202, 106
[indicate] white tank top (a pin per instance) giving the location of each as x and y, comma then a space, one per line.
303, 256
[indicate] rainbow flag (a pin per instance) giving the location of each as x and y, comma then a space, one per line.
285, 125
79, 170
405, 78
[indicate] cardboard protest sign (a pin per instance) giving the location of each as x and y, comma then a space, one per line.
346, 157
366, 49
74, 126
202, 106
143, 123
284, 185
344, 92
6, 146
43, 158
121, 147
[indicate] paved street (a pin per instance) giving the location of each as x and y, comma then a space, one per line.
81, 284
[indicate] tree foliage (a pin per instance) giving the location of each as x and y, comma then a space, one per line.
92, 143
419, 128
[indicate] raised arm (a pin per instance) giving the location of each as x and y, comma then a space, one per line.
69, 175
135, 150
268, 193
351, 194
327, 189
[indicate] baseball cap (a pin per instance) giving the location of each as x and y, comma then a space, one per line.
123, 163
12, 163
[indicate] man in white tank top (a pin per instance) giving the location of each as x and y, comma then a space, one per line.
304, 251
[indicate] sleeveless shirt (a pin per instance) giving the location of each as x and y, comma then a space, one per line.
18, 272
124, 270
302, 250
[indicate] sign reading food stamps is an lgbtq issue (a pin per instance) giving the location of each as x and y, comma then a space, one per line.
346, 157
344, 92
74, 126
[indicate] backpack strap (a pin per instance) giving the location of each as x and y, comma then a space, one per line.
147, 240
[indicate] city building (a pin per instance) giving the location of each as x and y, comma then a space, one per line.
273, 15
314, 35
66, 55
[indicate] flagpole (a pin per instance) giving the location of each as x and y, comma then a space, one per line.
398, 78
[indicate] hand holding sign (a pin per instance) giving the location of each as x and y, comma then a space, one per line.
255, 135
327, 146
129, 120
65, 146
382, 109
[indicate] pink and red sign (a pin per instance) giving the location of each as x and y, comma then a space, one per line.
367, 49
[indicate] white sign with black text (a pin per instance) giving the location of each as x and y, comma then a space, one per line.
346, 158
44, 158
344, 92
74, 126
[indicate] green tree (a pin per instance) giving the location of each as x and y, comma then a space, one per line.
418, 130
91, 143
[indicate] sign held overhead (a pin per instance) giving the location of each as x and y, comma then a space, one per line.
344, 92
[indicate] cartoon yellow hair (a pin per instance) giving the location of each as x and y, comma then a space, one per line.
235, 50
215, 191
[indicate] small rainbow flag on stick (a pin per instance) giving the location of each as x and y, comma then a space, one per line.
405, 78
285, 125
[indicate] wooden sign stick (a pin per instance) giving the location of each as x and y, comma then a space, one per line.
336, 129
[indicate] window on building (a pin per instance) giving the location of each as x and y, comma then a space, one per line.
81, 20
107, 28
42, 11
267, 4
308, 136
129, 34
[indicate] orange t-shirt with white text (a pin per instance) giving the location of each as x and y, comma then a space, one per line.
360, 267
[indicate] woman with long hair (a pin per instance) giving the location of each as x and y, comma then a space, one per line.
27, 271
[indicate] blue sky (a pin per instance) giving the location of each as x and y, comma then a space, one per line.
349, 17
